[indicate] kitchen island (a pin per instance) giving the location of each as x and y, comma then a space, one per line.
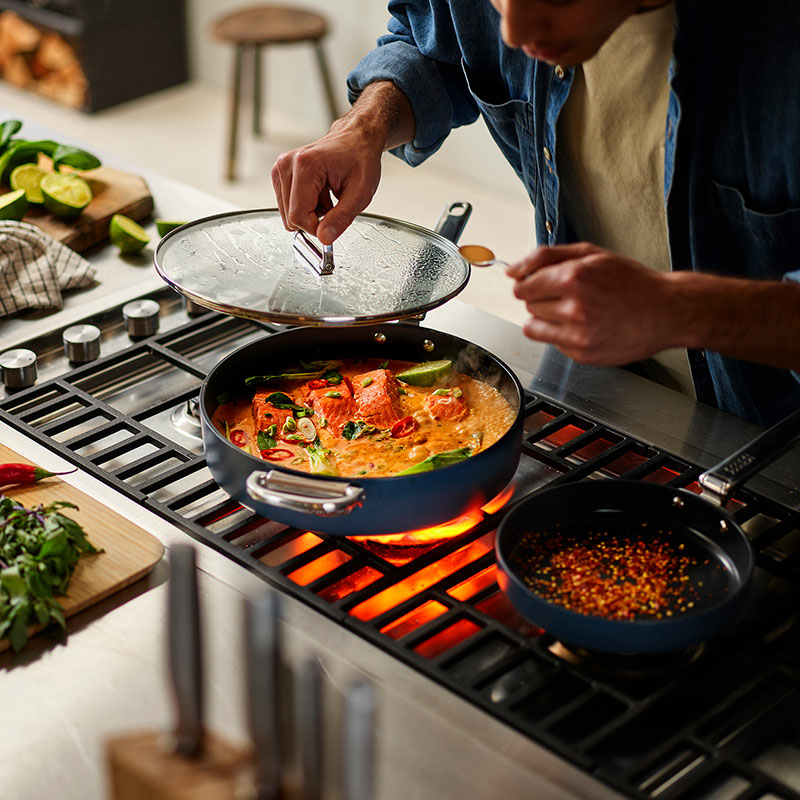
63, 701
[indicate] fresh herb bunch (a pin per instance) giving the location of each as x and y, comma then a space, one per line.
39, 550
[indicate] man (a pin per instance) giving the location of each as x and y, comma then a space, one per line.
659, 143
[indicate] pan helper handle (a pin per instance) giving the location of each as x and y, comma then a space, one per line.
720, 481
306, 495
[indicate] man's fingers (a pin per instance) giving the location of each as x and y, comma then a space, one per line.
340, 217
547, 255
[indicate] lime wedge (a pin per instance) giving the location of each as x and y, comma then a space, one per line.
126, 234
425, 374
13, 205
164, 226
65, 196
29, 177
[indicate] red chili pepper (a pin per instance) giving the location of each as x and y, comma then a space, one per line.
349, 384
238, 438
276, 454
403, 427
318, 383
25, 473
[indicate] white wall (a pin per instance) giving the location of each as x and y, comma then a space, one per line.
292, 83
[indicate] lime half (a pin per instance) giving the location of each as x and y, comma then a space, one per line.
127, 235
164, 226
29, 177
425, 374
13, 205
65, 196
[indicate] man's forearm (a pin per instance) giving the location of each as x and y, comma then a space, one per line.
747, 319
382, 114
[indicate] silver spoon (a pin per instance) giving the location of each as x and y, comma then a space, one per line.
479, 256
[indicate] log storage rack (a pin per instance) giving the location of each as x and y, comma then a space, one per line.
92, 54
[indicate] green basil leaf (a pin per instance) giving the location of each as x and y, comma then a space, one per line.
74, 157
264, 440
438, 460
281, 400
7, 130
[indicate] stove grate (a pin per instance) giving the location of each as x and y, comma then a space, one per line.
708, 726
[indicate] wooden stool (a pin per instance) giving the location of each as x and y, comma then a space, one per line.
250, 29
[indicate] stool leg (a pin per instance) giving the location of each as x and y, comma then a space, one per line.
326, 80
257, 90
234, 121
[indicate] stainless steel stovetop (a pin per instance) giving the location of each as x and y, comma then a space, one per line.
716, 722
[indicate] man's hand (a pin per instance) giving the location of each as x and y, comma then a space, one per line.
322, 186
340, 165
594, 305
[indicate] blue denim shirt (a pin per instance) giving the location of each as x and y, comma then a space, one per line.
732, 136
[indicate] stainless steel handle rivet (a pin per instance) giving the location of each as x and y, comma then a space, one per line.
81, 343
380, 338
18, 368
678, 502
141, 317
428, 346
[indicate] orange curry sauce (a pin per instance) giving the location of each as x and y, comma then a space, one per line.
364, 421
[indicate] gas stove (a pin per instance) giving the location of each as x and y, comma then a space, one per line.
714, 721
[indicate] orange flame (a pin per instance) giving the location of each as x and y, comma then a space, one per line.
446, 530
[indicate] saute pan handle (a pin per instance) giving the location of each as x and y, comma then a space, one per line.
718, 482
452, 221
306, 495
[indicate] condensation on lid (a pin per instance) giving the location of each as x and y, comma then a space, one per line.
245, 264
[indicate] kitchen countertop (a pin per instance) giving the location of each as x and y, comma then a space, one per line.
61, 702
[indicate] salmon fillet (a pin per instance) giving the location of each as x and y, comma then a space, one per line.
446, 407
338, 410
265, 414
379, 401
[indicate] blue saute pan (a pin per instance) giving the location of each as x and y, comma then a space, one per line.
592, 514
361, 506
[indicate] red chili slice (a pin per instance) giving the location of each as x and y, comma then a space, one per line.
403, 427
238, 438
348, 383
318, 383
276, 454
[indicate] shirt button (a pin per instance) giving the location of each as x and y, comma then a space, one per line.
547, 154
548, 225
560, 72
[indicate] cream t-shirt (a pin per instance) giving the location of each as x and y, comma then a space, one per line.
611, 154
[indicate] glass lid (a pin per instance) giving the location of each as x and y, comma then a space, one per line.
246, 264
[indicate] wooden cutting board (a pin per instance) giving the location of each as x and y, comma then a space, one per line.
115, 192
130, 552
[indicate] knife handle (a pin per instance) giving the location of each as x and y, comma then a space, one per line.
263, 659
308, 705
359, 741
185, 658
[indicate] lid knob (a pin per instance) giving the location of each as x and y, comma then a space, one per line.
141, 318
81, 343
18, 368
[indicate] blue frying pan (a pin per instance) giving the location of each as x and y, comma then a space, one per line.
594, 513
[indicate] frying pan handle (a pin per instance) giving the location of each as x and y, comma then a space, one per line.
452, 221
719, 481
305, 495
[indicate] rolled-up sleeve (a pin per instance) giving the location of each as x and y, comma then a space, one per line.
420, 55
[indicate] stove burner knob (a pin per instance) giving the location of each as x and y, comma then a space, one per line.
193, 309
141, 318
18, 368
81, 343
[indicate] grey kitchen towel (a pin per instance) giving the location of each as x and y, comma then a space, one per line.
35, 269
